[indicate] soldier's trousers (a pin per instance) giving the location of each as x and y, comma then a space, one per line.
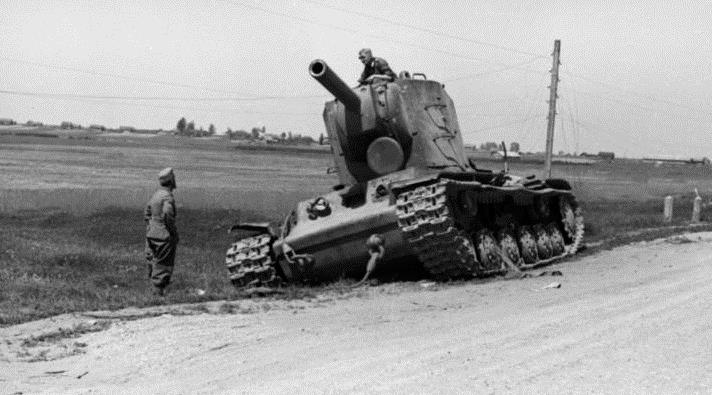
161, 256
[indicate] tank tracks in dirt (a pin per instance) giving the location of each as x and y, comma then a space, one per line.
447, 252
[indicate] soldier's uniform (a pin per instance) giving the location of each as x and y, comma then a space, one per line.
376, 66
161, 232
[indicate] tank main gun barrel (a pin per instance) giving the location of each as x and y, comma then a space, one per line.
321, 72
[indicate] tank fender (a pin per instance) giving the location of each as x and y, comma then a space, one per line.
558, 183
259, 227
397, 186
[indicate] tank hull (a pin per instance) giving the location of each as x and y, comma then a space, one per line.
451, 225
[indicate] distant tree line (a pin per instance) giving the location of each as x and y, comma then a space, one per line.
185, 128
69, 125
492, 146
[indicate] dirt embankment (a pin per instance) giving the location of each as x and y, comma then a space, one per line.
634, 319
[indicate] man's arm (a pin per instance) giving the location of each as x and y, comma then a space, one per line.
147, 213
382, 67
169, 215
364, 75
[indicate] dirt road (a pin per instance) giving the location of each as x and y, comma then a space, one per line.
637, 319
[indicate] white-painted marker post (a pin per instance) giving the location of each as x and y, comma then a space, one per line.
667, 210
696, 209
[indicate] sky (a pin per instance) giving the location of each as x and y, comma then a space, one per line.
635, 76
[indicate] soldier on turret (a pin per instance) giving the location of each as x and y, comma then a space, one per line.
373, 65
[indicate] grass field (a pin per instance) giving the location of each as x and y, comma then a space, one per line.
71, 230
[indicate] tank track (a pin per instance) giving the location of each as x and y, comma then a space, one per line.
250, 262
448, 252
425, 220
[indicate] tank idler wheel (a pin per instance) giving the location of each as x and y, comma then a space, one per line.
508, 245
556, 238
527, 245
487, 250
543, 242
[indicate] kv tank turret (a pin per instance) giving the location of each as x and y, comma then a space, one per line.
407, 193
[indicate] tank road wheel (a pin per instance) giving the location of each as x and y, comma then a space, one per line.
250, 262
557, 240
527, 245
543, 242
508, 245
487, 249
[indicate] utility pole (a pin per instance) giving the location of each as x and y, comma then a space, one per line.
552, 107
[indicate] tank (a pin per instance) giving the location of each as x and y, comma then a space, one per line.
407, 193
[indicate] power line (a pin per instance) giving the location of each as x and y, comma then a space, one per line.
234, 111
119, 76
514, 66
154, 98
635, 105
643, 95
355, 31
506, 124
157, 82
614, 137
425, 30
361, 33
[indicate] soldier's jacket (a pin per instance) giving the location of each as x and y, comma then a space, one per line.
376, 66
160, 216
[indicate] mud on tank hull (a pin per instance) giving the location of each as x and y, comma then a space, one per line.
455, 225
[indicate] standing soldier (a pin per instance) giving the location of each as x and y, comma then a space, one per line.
161, 232
373, 65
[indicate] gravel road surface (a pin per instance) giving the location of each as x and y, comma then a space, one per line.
637, 319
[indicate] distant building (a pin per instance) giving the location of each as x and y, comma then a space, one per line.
127, 128
606, 155
97, 127
511, 155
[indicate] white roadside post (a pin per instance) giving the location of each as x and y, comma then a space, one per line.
667, 210
696, 208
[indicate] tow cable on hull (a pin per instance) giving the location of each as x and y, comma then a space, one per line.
376, 250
